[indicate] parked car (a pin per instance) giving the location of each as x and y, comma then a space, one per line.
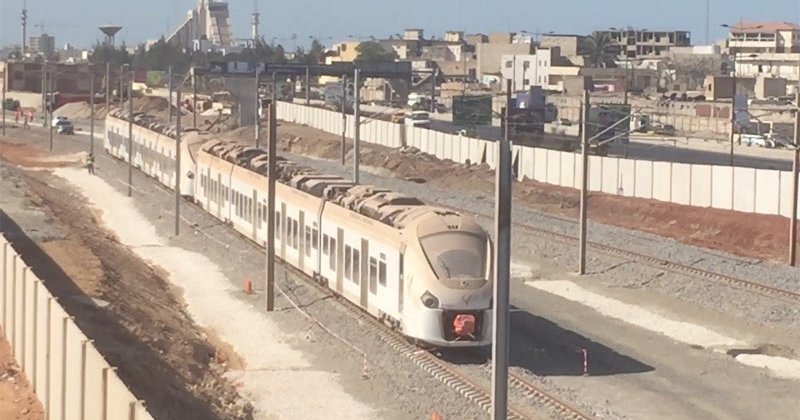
65, 127
418, 119
665, 130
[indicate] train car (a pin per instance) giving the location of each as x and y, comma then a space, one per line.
421, 269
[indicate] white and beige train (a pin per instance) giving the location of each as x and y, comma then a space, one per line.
423, 270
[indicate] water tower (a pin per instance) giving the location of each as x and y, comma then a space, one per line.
110, 31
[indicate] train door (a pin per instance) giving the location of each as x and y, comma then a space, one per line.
208, 189
364, 273
255, 215
218, 194
282, 231
340, 261
301, 250
400, 285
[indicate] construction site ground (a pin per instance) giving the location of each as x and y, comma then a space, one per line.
17, 400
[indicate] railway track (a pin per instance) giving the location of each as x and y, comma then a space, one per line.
660, 263
447, 373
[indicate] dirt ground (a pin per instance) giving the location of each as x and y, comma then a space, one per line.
144, 330
17, 400
750, 235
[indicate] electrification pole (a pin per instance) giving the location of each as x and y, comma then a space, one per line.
178, 163
49, 105
733, 108
502, 270
344, 117
194, 98
130, 133
584, 181
258, 114
91, 105
169, 97
108, 87
308, 86
795, 184
356, 124
3, 106
271, 234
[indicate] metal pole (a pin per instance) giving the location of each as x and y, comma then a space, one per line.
169, 97
502, 271
257, 113
121, 87
584, 181
433, 91
178, 164
733, 107
273, 140
795, 185
130, 134
356, 124
44, 94
108, 87
308, 85
49, 107
344, 116
91, 105
194, 98
3, 106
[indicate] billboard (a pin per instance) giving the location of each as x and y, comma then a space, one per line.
472, 110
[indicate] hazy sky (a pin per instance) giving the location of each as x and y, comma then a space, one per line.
75, 21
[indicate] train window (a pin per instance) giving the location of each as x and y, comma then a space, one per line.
464, 262
373, 275
307, 243
324, 244
348, 262
296, 234
315, 239
356, 266
332, 261
259, 212
277, 224
382, 270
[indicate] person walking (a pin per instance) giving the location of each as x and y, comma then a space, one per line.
90, 163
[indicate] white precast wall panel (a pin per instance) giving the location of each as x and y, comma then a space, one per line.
610, 172
74, 365
701, 186
540, 165
527, 162
768, 191
744, 184
786, 194
662, 179
567, 167
94, 381
627, 180
595, 173
475, 151
57, 316
722, 187
553, 167
681, 183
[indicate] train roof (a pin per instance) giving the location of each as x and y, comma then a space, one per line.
386, 206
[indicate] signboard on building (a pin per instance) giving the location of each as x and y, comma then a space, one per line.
472, 110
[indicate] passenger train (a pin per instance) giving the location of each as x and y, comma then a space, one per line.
423, 270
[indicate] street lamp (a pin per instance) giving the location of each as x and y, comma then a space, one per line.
735, 84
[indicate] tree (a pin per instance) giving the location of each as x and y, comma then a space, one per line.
161, 56
104, 53
374, 51
599, 51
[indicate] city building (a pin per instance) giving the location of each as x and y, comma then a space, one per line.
68, 79
43, 44
527, 70
764, 38
489, 55
209, 21
571, 46
642, 43
779, 65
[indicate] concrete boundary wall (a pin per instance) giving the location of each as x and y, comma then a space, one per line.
749, 190
69, 376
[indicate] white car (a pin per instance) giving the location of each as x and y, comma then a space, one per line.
56, 119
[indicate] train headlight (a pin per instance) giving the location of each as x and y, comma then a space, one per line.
429, 300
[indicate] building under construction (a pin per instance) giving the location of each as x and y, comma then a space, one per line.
209, 22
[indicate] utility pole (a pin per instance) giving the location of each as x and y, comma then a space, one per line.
308, 85
108, 87
49, 105
502, 270
44, 93
733, 107
3, 106
91, 105
795, 184
169, 97
178, 164
271, 161
258, 113
130, 133
433, 91
122, 87
356, 124
584, 181
344, 117
194, 98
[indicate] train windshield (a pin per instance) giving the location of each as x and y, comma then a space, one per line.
456, 255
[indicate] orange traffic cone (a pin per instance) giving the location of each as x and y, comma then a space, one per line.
248, 287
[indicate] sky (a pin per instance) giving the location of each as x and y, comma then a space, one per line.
76, 21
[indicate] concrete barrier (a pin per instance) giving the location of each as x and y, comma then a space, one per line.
743, 189
70, 377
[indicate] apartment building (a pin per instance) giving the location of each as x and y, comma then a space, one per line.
764, 38
527, 70
644, 43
